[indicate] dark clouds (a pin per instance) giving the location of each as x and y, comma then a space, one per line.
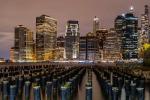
14, 12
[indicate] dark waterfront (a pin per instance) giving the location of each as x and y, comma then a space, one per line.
74, 82
97, 91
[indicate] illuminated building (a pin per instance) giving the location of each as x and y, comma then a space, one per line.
89, 47
72, 37
101, 35
119, 26
83, 48
144, 36
111, 51
130, 36
145, 25
92, 47
23, 44
95, 25
59, 53
60, 50
60, 41
126, 26
46, 34
11, 52
2, 60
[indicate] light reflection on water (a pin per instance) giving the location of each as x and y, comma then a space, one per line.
147, 92
97, 92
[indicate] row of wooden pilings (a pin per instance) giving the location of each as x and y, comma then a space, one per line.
40, 82
120, 86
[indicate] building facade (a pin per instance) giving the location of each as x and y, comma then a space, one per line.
144, 33
111, 51
60, 49
72, 37
12, 55
95, 25
101, 35
89, 47
46, 37
130, 37
23, 44
119, 28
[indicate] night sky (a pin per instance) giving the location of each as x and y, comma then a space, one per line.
16, 12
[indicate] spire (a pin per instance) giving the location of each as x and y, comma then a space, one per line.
146, 9
95, 24
131, 9
96, 18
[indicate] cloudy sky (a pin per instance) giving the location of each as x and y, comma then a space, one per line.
15, 12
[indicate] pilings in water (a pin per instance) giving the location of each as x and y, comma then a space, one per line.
40, 82
49, 82
113, 82
70, 87
89, 85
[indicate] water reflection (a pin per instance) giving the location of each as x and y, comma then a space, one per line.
80, 94
147, 91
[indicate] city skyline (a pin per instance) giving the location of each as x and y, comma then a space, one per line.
10, 18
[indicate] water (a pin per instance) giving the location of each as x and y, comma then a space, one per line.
147, 92
97, 91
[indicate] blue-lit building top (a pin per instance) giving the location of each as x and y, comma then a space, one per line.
130, 37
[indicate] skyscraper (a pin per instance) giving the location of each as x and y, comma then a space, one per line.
89, 47
95, 25
130, 37
60, 50
46, 36
144, 33
83, 48
126, 26
101, 35
111, 51
92, 47
11, 53
23, 44
72, 37
119, 26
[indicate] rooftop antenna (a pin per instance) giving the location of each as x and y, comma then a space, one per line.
131, 9
146, 9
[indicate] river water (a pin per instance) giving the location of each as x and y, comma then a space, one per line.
97, 91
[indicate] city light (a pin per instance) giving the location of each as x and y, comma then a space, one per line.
106, 57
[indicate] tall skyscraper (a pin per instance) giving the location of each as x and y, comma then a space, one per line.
126, 26
23, 44
89, 47
130, 36
46, 36
101, 35
145, 32
11, 53
111, 51
83, 48
95, 25
72, 37
60, 50
119, 26
92, 47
